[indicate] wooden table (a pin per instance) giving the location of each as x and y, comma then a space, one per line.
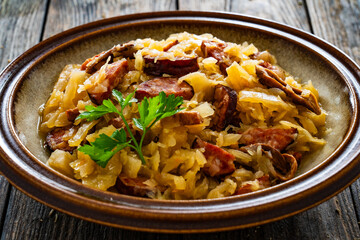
23, 23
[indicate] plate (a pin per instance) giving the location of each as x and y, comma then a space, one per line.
26, 83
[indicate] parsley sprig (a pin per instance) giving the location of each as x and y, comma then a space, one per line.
151, 110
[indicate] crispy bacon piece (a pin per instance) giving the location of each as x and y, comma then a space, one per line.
216, 50
219, 162
55, 140
170, 45
264, 182
114, 73
225, 100
270, 79
153, 87
181, 66
91, 65
277, 138
284, 165
72, 114
133, 186
190, 118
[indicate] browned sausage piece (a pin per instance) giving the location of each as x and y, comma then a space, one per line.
133, 186
54, 139
271, 79
94, 63
216, 50
153, 87
181, 66
225, 100
72, 114
219, 162
277, 138
190, 117
114, 73
264, 55
264, 182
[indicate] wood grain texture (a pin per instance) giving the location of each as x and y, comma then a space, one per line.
291, 12
63, 15
338, 22
19, 20
204, 5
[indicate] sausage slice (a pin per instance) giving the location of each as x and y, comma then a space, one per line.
225, 100
216, 50
133, 186
114, 73
181, 66
54, 139
153, 87
219, 162
277, 138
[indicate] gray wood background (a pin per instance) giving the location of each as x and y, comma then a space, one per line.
24, 23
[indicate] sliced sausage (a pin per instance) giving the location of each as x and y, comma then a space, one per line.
91, 65
216, 50
277, 138
190, 118
55, 139
181, 66
265, 56
133, 186
153, 87
219, 162
225, 100
271, 79
114, 73
72, 114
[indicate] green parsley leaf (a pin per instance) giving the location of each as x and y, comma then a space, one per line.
105, 147
151, 110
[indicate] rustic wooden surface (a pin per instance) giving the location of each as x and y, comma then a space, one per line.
24, 23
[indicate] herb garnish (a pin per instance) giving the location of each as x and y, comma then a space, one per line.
150, 110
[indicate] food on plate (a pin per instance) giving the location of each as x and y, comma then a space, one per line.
188, 117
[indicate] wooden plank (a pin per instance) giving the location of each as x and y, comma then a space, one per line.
67, 14
18, 20
203, 5
338, 22
290, 12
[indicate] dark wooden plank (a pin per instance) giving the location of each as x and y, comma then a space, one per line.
18, 20
338, 22
290, 12
66, 14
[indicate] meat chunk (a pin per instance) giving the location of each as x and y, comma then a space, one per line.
271, 79
190, 118
91, 65
181, 66
216, 50
72, 114
114, 73
133, 186
56, 139
170, 45
277, 138
219, 162
225, 100
119, 123
153, 87
264, 182
284, 166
